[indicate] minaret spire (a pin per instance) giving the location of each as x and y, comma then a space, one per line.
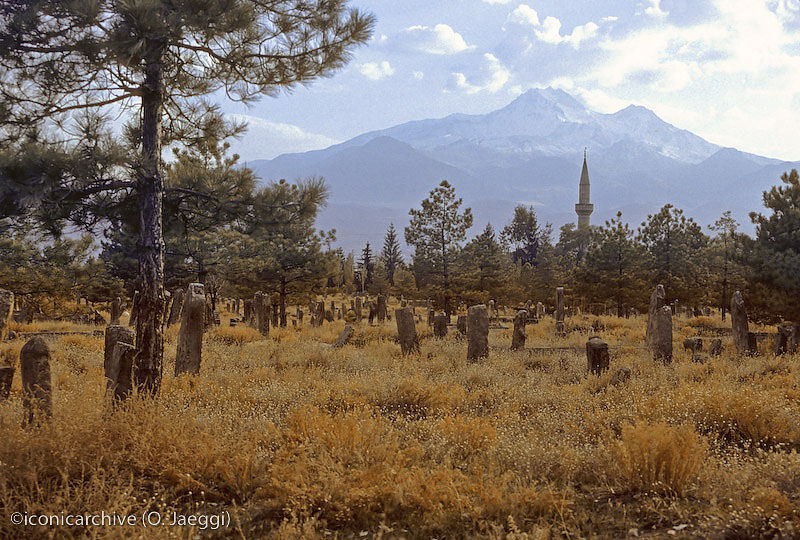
584, 207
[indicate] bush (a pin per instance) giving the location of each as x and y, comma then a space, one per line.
236, 335
659, 457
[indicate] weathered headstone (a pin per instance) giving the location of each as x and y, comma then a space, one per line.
344, 337
6, 379
122, 356
656, 302
328, 315
491, 310
597, 358
518, 337
175, 309
440, 326
34, 363
431, 316
115, 334
274, 310
299, 316
621, 376
261, 312
786, 340
190, 335
116, 310
560, 312
461, 324
739, 324
693, 344
662, 335
381, 308
371, 306
338, 314
249, 315
477, 333
715, 349
406, 330
358, 309
539, 310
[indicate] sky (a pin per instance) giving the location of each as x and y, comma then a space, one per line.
727, 70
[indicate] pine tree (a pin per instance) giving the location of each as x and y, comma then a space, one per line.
366, 267
391, 256
721, 260
436, 231
526, 235
61, 57
483, 263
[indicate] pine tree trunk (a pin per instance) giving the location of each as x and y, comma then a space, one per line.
283, 302
150, 188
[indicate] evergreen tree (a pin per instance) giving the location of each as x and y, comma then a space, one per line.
391, 256
721, 260
773, 257
526, 235
61, 57
366, 267
436, 231
483, 264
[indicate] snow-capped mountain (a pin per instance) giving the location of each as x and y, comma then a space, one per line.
529, 152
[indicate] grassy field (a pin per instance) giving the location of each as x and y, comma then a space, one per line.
293, 439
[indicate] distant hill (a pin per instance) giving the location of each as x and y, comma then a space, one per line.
529, 152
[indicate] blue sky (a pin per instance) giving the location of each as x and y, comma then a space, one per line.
727, 70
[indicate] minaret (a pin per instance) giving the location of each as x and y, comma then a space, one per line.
584, 208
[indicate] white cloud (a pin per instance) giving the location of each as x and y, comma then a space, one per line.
495, 77
441, 39
266, 140
376, 70
654, 9
549, 30
418, 75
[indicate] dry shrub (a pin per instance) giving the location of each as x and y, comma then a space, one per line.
235, 335
658, 457
701, 321
80, 341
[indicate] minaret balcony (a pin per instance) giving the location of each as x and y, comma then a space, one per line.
584, 209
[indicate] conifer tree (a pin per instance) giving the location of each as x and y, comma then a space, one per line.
366, 267
160, 58
391, 255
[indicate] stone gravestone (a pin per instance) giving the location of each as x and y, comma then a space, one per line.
248, 312
440, 326
116, 310
118, 360
320, 312
344, 337
275, 313
6, 378
739, 325
786, 339
262, 308
461, 324
381, 308
477, 333
662, 335
693, 344
6, 311
715, 349
492, 313
358, 309
597, 358
518, 337
338, 314
34, 363
406, 330
190, 335
431, 315
175, 310
560, 312
371, 307
539, 310
656, 301
328, 315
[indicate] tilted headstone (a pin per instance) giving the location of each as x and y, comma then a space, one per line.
597, 358
440, 326
175, 309
477, 333
116, 334
656, 302
739, 324
344, 337
518, 337
190, 335
406, 330
34, 363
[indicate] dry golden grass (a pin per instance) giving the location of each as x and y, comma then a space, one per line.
298, 440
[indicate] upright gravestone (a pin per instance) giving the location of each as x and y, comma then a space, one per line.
299, 316
431, 316
739, 325
372, 311
261, 312
662, 335
190, 335
560, 312
175, 310
6, 311
715, 349
518, 337
358, 309
249, 318
406, 330
461, 324
344, 337
381, 308
117, 370
491, 310
786, 339
6, 379
477, 333
597, 355
656, 301
116, 311
34, 363
274, 310
440, 326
